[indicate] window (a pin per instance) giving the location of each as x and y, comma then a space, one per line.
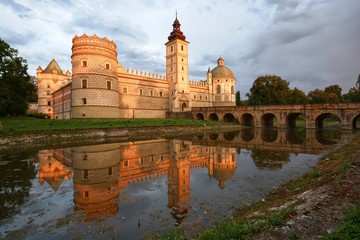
125, 90
200, 97
141, 92
48, 86
218, 89
182, 68
182, 78
84, 63
85, 157
48, 93
171, 48
108, 85
170, 69
49, 103
126, 163
84, 101
161, 94
86, 174
171, 60
86, 194
182, 59
151, 93
232, 89
182, 91
84, 83
107, 66
49, 110
194, 96
182, 47
110, 171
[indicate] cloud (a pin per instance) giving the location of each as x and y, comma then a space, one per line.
15, 38
21, 10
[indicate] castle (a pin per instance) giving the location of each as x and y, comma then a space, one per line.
100, 87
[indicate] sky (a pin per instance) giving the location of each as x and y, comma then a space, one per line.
310, 43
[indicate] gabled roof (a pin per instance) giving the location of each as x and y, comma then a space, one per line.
53, 65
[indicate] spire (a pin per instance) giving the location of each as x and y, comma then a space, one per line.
176, 32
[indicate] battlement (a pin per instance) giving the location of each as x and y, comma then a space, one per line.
146, 74
85, 43
198, 83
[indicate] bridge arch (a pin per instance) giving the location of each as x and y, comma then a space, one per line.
214, 136
247, 119
290, 120
319, 120
213, 117
229, 136
269, 135
356, 122
267, 120
247, 134
229, 117
199, 116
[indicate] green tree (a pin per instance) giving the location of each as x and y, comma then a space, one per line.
335, 89
297, 96
354, 93
320, 96
15, 83
268, 90
237, 98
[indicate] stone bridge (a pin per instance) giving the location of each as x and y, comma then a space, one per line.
272, 139
264, 115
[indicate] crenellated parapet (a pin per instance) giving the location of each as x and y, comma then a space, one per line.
145, 74
203, 83
89, 44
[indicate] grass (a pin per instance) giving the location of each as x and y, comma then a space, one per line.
26, 124
350, 229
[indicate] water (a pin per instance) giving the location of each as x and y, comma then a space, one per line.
132, 190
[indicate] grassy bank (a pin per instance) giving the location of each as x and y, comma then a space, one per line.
28, 124
275, 210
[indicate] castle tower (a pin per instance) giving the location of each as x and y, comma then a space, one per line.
177, 70
95, 88
96, 173
222, 81
49, 80
179, 179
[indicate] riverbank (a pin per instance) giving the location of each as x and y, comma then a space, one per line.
88, 136
310, 207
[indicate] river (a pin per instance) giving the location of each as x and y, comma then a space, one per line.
133, 190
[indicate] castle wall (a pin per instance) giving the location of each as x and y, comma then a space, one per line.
142, 96
62, 102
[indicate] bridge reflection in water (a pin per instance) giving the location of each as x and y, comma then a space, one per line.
102, 172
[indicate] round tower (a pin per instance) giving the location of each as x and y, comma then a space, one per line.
95, 88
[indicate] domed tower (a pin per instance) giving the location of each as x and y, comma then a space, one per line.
223, 85
223, 165
95, 88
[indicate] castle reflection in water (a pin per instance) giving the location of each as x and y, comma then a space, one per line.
101, 172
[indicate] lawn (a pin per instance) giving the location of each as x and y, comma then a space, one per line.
22, 124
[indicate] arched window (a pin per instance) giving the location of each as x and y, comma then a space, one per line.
232, 89
218, 89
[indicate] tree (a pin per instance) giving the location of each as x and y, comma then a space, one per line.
320, 96
297, 96
237, 98
268, 90
335, 89
354, 93
15, 83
